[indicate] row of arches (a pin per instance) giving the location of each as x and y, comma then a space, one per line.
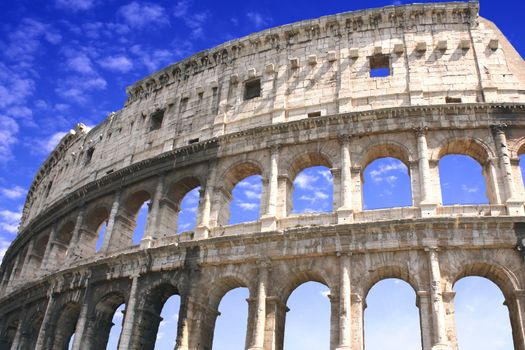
162, 207
392, 319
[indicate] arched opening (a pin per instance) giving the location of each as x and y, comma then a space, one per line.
307, 325
114, 333
521, 156
231, 324
482, 318
391, 317
95, 223
32, 328
189, 206
9, 332
245, 204
157, 318
168, 327
462, 180
65, 325
136, 209
313, 190
105, 323
465, 173
63, 238
386, 184
39, 250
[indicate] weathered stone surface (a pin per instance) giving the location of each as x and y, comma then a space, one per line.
274, 103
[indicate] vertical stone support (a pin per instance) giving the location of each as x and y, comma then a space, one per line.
82, 320
358, 309
450, 318
345, 303
129, 316
259, 317
27, 261
345, 213
517, 313
276, 316
12, 277
48, 260
428, 208
285, 195
18, 336
204, 226
107, 244
425, 318
438, 310
334, 319
46, 324
75, 245
514, 205
269, 219
152, 224
493, 191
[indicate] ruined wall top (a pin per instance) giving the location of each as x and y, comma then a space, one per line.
433, 54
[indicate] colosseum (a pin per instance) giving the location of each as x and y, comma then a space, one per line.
272, 104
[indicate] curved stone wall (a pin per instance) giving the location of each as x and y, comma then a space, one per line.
273, 104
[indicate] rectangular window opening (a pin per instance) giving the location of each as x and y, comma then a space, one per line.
314, 114
252, 89
380, 66
89, 155
156, 120
452, 99
193, 141
183, 104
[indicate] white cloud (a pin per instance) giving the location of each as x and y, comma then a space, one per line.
248, 206
380, 173
9, 221
4, 244
139, 15
75, 5
119, 63
154, 59
26, 40
80, 63
257, 19
252, 194
78, 88
305, 181
321, 195
193, 21
325, 293
8, 137
13, 192
468, 189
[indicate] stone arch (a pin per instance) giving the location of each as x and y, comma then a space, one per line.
387, 149
128, 213
63, 239
509, 285
230, 178
300, 162
149, 312
66, 320
171, 206
482, 153
8, 332
99, 324
32, 327
382, 272
301, 276
97, 216
39, 251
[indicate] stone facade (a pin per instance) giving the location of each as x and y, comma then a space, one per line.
274, 103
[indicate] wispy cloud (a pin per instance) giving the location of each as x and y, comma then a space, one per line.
258, 20
75, 5
194, 21
469, 189
119, 63
13, 192
383, 172
140, 15
8, 137
305, 181
247, 206
9, 220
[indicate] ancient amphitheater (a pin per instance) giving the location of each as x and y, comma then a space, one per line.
274, 103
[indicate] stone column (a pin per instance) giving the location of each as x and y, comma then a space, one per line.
514, 205
345, 306
345, 213
428, 208
75, 249
12, 277
285, 195
27, 260
152, 225
438, 310
203, 227
358, 309
18, 335
129, 316
82, 320
46, 324
110, 227
493, 190
425, 318
259, 319
48, 259
517, 313
334, 319
275, 320
269, 219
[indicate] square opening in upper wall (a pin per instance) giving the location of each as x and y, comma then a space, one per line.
380, 66
252, 89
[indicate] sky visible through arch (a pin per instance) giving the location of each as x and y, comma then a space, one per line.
69, 61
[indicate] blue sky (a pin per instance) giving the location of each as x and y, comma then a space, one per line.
69, 61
